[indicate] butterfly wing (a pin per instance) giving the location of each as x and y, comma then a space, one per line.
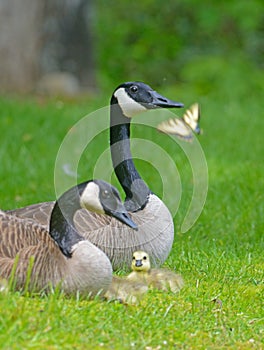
176, 127
192, 117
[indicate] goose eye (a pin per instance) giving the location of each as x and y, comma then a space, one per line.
134, 88
144, 258
105, 194
134, 258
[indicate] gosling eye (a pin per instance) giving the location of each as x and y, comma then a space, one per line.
134, 88
105, 194
144, 257
134, 258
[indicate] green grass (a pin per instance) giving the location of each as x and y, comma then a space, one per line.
220, 257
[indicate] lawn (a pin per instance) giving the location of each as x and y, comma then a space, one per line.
220, 257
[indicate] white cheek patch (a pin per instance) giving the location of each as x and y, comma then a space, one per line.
129, 106
90, 198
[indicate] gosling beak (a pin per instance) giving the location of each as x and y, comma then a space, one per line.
159, 101
138, 263
125, 218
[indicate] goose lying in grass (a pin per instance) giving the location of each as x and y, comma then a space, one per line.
163, 279
155, 225
35, 258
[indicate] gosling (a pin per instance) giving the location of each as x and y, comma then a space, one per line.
162, 279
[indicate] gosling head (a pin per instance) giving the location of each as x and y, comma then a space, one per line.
140, 261
137, 97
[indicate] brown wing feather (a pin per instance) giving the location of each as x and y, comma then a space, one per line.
22, 240
17, 234
35, 263
39, 212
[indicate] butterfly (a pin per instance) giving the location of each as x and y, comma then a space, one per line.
185, 126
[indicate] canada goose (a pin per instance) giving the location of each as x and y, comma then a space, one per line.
162, 278
61, 256
155, 225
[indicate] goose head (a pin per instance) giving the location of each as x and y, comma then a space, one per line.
101, 197
128, 100
137, 97
140, 261
97, 196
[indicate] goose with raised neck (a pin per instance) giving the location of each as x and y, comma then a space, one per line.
155, 224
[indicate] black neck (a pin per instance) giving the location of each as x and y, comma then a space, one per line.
136, 190
62, 228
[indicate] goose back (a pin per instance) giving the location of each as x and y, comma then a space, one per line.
26, 249
39, 212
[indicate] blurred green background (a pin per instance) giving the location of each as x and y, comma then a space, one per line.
211, 45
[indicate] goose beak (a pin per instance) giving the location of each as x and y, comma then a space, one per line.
159, 101
125, 218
